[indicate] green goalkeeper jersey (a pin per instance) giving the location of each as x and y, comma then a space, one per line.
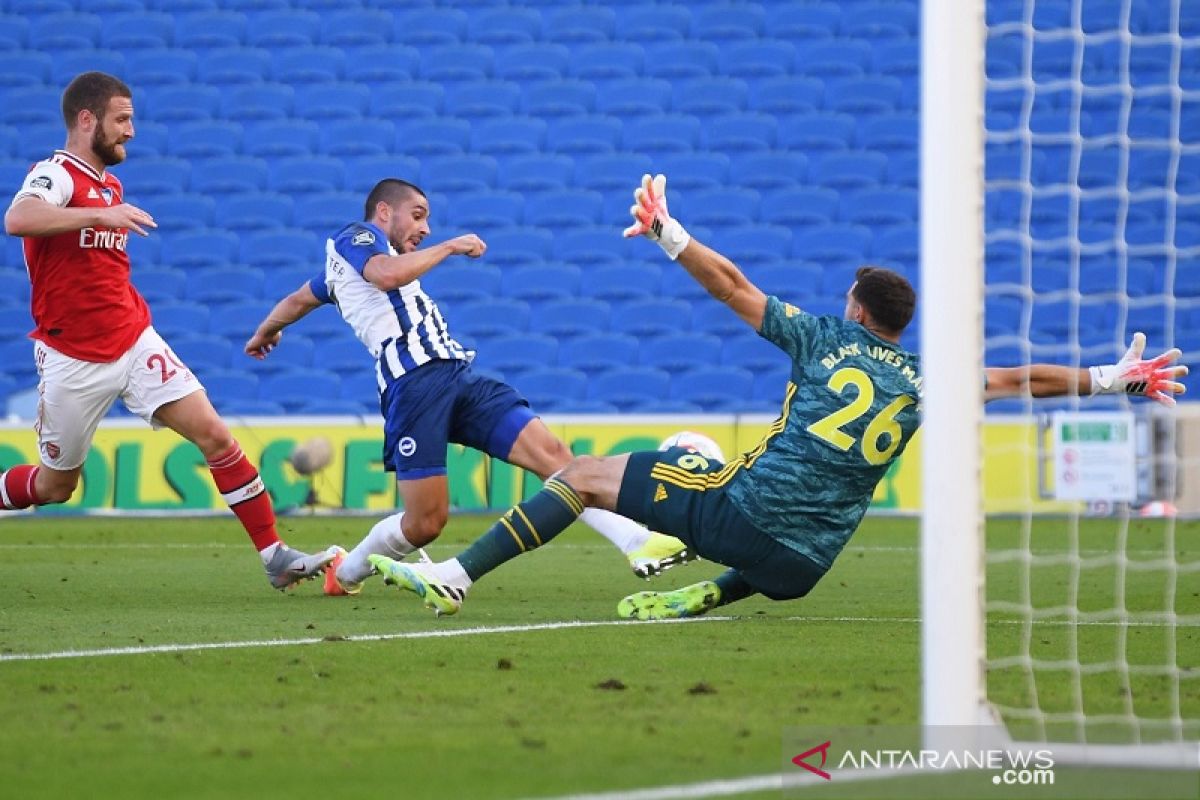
852, 404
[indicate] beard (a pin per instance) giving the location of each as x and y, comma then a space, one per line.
111, 152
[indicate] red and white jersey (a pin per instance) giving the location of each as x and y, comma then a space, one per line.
83, 302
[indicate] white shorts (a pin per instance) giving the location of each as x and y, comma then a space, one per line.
75, 395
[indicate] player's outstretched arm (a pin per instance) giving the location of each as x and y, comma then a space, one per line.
386, 272
288, 310
33, 217
713, 271
1156, 378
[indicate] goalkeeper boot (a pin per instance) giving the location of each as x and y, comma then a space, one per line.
658, 554
420, 580
690, 601
334, 586
288, 567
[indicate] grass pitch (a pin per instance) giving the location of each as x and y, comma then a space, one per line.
300, 701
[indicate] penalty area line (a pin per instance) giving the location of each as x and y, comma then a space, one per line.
442, 633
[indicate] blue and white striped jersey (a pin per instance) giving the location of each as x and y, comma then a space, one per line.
402, 328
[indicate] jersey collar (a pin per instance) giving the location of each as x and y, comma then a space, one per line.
79, 162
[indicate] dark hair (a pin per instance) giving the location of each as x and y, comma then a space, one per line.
390, 191
91, 91
887, 296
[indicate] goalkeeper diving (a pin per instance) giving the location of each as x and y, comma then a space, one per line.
779, 514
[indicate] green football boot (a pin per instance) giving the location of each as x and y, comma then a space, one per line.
690, 601
658, 554
420, 580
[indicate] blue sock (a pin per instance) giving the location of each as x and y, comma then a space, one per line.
733, 587
523, 527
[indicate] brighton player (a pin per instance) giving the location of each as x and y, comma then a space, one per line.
93, 340
778, 515
429, 394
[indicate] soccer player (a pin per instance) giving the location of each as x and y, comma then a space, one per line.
778, 515
93, 340
429, 394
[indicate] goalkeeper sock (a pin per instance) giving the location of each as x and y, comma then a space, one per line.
17, 487
733, 587
239, 483
523, 527
385, 538
626, 534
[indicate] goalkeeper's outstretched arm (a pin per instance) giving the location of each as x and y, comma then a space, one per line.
716, 273
1155, 378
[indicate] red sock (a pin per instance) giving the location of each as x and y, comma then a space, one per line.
16, 487
240, 485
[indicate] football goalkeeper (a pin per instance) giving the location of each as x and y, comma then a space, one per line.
778, 515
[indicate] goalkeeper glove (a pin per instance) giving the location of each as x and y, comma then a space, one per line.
1132, 375
651, 219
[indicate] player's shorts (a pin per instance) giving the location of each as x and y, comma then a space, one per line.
75, 395
442, 402
677, 498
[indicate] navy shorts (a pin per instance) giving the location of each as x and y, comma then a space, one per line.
442, 402
683, 502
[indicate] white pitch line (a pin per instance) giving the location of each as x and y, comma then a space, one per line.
442, 633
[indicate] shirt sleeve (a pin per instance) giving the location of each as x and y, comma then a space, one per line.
319, 288
357, 245
789, 328
49, 181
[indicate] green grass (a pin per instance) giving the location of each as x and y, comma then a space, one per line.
497, 715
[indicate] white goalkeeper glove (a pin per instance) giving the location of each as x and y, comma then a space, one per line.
651, 219
1153, 378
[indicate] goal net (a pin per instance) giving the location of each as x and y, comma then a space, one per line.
1076, 608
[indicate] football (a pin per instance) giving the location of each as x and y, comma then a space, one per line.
696, 442
312, 455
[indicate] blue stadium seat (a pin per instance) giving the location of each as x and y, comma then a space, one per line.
14, 32
802, 22
563, 209
878, 21
579, 24
595, 353
740, 133
424, 30
296, 351
407, 100
488, 209
657, 23
535, 173
584, 135
611, 172
308, 175
496, 317
294, 387
210, 29
303, 66
240, 409
539, 283
835, 244
757, 59
254, 211
224, 385
753, 353
563, 319
653, 317
198, 249
456, 283
537, 61
798, 281
769, 171
205, 139
821, 131
675, 61
363, 172
786, 95
546, 387
728, 23
234, 66
601, 244
630, 388
182, 211
840, 58
37, 142
355, 27
344, 355
433, 137
336, 407
712, 96
64, 32
508, 136
898, 59
606, 61
69, 64
756, 245
223, 284
348, 138
281, 28
721, 208
233, 318
161, 286
863, 95
183, 103
31, 105
501, 27
714, 388
896, 247
633, 97
677, 352
880, 208
230, 175
559, 98
842, 171
257, 102
282, 138
658, 136
800, 207
623, 282
143, 177
479, 100
324, 214
457, 62
695, 171
889, 133
381, 63
14, 287
205, 351
458, 173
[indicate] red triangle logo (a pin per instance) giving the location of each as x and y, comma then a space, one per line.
823, 749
